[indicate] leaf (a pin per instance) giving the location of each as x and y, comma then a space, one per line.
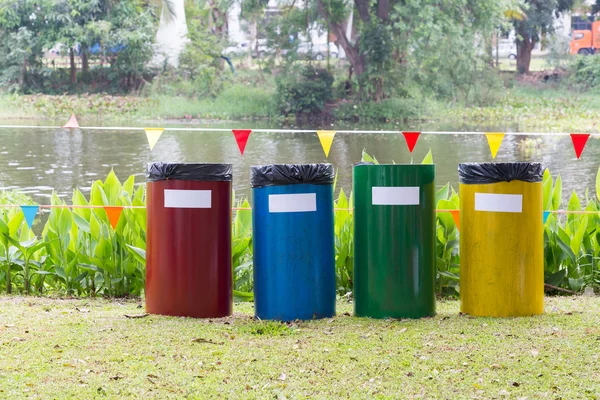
134, 316
449, 275
556, 278
598, 184
14, 224
64, 223
95, 227
79, 199
428, 158
112, 188
443, 193
201, 340
576, 284
367, 158
128, 186
577, 239
557, 193
139, 254
240, 297
566, 248
547, 189
81, 223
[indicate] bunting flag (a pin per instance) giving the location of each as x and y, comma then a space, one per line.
30, 212
72, 123
113, 214
411, 139
326, 138
456, 218
153, 134
494, 140
579, 141
546, 215
241, 137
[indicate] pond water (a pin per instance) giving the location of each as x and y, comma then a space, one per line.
38, 161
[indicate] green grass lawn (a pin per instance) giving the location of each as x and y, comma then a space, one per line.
85, 349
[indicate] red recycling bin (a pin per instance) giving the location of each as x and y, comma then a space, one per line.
188, 244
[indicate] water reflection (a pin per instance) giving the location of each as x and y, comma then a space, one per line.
40, 161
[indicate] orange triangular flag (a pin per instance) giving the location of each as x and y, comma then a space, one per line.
456, 218
494, 140
579, 141
153, 134
72, 122
326, 138
241, 137
113, 214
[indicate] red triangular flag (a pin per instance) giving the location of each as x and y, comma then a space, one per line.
113, 214
411, 139
241, 137
456, 218
72, 122
579, 141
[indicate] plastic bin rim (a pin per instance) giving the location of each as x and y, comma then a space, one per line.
394, 165
501, 163
184, 163
286, 165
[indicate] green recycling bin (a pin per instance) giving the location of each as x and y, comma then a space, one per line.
394, 240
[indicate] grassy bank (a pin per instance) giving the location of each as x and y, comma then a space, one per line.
88, 348
521, 106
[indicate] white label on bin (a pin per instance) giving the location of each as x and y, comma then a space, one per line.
284, 203
395, 196
512, 203
188, 198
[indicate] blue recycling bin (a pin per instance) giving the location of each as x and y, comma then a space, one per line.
293, 241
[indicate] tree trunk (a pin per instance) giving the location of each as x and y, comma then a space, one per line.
352, 52
524, 48
85, 63
73, 66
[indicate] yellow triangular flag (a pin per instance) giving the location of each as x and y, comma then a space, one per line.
326, 138
494, 140
153, 134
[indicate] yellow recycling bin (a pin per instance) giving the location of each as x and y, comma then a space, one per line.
501, 239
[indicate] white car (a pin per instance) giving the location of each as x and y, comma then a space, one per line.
237, 50
317, 51
506, 48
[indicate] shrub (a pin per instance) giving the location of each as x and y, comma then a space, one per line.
304, 90
395, 109
585, 71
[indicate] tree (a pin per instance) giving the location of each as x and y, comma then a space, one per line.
536, 22
394, 35
24, 27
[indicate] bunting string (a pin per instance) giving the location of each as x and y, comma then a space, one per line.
284, 130
250, 208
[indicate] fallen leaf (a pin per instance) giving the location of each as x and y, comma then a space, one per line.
136, 315
495, 366
152, 376
516, 384
116, 377
201, 340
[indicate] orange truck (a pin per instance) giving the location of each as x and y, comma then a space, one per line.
586, 41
